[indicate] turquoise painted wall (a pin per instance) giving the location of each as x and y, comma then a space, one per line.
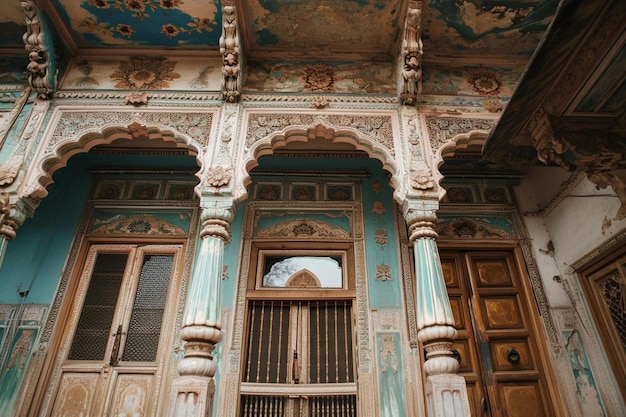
35, 259
382, 262
381, 239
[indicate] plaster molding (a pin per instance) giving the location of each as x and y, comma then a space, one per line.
73, 131
443, 130
600, 251
73, 95
332, 99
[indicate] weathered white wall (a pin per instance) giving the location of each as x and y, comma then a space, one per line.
566, 221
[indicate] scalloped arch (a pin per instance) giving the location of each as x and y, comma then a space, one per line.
461, 141
319, 130
56, 158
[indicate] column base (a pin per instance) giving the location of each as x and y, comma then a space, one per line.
446, 396
192, 396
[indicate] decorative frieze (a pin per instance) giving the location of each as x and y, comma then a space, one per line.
442, 130
73, 124
377, 127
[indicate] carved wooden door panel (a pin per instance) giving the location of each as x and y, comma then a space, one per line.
496, 346
116, 337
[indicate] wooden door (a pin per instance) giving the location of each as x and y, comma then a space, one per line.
112, 360
496, 345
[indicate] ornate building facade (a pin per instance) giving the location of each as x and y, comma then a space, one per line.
312, 208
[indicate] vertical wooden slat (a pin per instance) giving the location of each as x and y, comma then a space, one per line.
261, 325
269, 344
280, 339
336, 344
318, 321
327, 338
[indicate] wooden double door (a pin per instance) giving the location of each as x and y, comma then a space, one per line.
497, 345
118, 335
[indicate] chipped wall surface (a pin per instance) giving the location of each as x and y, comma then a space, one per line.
291, 77
318, 27
481, 26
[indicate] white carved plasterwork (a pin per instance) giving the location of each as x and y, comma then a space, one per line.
378, 128
303, 229
73, 124
442, 130
8, 120
71, 131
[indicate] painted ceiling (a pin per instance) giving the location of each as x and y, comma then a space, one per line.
308, 30
475, 51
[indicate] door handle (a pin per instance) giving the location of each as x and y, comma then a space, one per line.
116, 347
483, 405
513, 356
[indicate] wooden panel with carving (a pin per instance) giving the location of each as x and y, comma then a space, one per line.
496, 347
464, 347
502, 328
76, 394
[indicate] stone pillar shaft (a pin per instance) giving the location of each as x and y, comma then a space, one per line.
446, 392
193, 391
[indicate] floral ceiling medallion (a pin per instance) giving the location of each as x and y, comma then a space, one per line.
319, 78
484, 82
145, 74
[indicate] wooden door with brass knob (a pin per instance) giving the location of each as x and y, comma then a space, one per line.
497, 345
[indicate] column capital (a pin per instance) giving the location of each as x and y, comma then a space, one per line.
421, 217
216, 217
13, 212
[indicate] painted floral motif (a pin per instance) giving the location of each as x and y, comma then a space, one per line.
484, 82
168, 13
319, 78
138, 7
145, 74
378, 208
382, 237
383, 272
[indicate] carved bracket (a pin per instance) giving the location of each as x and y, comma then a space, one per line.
229, 48
41, 67
596, 147
411, 82
13, 212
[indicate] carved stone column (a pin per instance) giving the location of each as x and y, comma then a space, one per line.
193, 390
446, 392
